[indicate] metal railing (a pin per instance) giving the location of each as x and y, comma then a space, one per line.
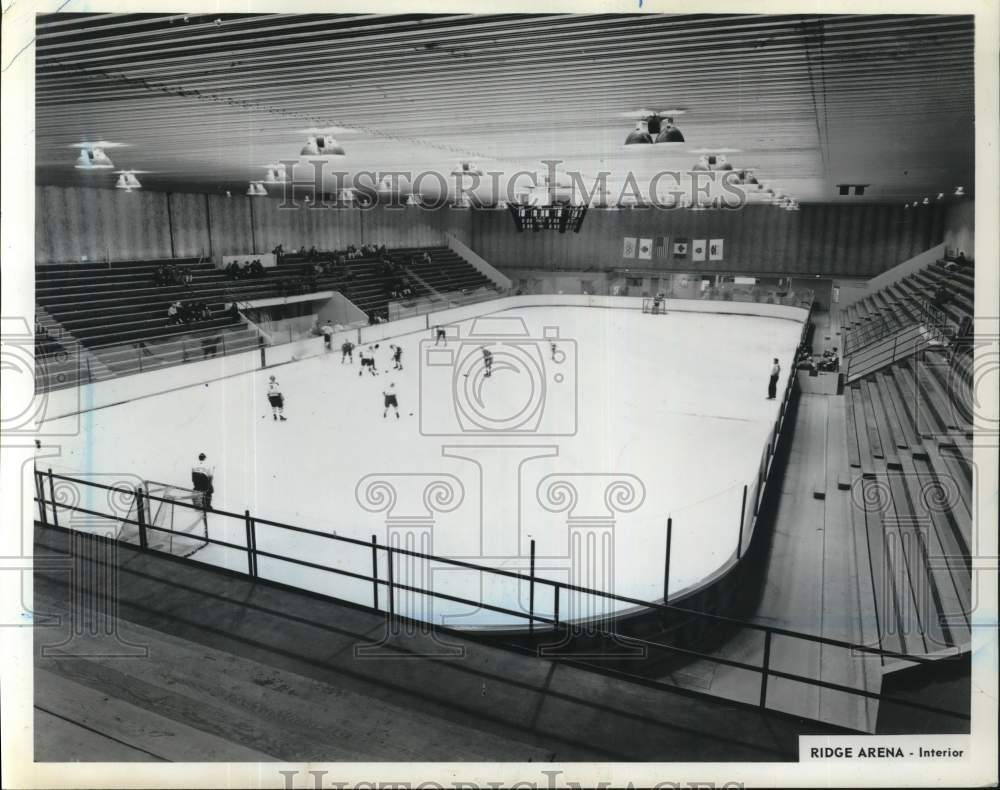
52, 503
904, 343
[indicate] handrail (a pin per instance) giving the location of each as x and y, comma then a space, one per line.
50, 506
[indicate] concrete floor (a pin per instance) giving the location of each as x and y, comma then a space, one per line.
197, 664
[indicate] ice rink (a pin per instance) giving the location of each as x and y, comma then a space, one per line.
586, 449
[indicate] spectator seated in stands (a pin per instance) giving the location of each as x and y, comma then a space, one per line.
942, 295
317, 269
233, 271
234, 312
302, 251
161, 277
278, 251
406, 292
958, 263
427, 257
313, 253
187, 278
174, 313
830, 363
256, 268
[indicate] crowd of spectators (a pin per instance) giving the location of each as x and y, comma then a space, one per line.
173, 275
828, 363
188, 312
249, 269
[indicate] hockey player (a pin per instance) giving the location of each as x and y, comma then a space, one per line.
439, 335
202, 475
327, 330
347, 352
488, 361
554, 349
276, 399
397, 357
389, 397
367, 361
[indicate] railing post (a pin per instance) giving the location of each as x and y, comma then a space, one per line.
556, 612
52, 495
666, 560
251, 549
743, 511
140, 509
392, 583
375, 571
531, 590
40, 493
764, 669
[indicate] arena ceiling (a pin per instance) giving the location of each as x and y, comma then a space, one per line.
205, 102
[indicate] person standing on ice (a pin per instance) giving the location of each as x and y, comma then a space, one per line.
397, 357
772, 384
367, 361
389, 396
347, 352
202, 475
276, 399
488, 361
327, 330
439, 335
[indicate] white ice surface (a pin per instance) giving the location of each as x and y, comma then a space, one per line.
671, 407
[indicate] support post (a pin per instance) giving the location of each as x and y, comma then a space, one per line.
392, 583
140, 509
743, 511
52, 496
556, 611
666, 561
375, 571
531, 591
251, 564
40, 493
764, 669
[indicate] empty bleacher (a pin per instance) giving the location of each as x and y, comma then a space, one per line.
905, 303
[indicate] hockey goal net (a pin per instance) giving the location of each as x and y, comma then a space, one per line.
175, 519
654, 305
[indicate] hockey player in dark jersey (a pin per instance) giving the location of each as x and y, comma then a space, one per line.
397, 357
439, 335
347, 352
389, 397
488, 361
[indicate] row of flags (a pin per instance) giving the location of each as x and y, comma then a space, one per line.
659, 247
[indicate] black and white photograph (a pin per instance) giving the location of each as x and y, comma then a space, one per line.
453, 396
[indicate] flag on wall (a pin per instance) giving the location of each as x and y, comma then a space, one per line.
645, 249
629, 249
680, 248
715, 250
660, 247
698, 250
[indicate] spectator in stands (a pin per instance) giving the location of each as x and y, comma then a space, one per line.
805, 362
278, 251
942, 295
160, 277
187, 278
174, 274
772, 382
830, 362
313, 253
257, 268
173, 313
232, 271
961, 260
204, 313
234, 312
427, 257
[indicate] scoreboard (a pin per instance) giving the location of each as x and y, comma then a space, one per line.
561, 217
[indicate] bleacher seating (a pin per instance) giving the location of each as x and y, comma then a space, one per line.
909, 440
904, 303
118, 313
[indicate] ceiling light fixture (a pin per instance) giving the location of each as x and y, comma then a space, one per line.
322, 145
256, 189
959, 191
